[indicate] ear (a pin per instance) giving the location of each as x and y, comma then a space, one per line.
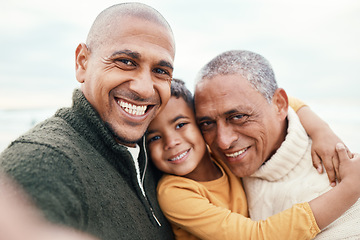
81, 60
281, 103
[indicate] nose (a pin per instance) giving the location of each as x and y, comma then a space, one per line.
225, 136
143, 84
171, 141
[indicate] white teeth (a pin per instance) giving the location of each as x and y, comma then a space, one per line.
132, 109
235, 154
180, 156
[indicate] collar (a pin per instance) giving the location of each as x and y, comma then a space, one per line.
290, 152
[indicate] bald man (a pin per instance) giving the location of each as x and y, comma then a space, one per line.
86, 167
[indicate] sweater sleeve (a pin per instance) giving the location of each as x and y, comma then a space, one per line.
49, 177
184, 204
296, 103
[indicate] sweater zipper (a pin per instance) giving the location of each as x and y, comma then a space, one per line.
142, 182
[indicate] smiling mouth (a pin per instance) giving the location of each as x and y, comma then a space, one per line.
132, 109
236, 154
179, 156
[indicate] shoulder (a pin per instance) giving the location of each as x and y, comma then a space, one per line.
171, 187
172, 182
42, 154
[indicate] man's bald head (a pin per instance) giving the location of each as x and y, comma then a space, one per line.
108, 18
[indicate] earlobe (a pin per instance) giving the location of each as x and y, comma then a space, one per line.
81, 59
281, 102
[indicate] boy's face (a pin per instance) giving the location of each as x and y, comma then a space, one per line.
175, 141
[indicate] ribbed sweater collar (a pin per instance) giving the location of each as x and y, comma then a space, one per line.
289, 154
85, 120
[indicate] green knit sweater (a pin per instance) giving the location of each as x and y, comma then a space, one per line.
79, 176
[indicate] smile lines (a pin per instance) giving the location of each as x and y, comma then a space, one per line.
132, 109
235, 154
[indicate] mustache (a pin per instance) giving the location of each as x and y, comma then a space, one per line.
154, 99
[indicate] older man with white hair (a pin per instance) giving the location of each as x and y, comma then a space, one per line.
245, 119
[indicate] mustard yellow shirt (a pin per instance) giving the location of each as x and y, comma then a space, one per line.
218, 210
296, 103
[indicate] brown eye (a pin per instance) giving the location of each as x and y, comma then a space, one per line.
206, 125
160, 71
127, 62
237, 117
180, 125
152, 139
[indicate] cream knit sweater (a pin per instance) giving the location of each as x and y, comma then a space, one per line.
289, 177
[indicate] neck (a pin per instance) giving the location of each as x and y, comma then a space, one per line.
206, 170
280, 138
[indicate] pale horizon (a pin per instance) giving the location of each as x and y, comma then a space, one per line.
313, 47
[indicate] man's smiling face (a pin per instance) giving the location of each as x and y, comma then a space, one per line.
127, 78
237, 122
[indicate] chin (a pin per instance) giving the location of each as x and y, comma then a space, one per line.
122, 137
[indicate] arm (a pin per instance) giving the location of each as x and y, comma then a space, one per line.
342, 197
46, 179
324, 140
20, 219
187, 205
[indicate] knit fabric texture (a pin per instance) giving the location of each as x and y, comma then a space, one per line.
289, 177
79, 176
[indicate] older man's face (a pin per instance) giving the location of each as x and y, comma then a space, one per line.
237, 122
127, 78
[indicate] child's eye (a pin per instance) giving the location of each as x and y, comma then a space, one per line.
180, 125
152, 139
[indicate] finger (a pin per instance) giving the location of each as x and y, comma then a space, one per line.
330, 171
350, 154
317, 162
335, 161
342, 153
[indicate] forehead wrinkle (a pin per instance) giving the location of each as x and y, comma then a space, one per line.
129, 53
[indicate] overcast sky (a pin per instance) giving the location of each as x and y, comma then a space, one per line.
313, 45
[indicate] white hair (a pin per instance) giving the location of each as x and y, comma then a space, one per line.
252, 66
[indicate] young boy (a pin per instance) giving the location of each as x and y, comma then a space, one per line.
204, 200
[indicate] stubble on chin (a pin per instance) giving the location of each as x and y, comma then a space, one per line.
121, 139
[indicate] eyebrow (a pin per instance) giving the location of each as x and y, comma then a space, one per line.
137, 55
206, 118
203, 119
166, 64
178, 117
129, 53
171, 121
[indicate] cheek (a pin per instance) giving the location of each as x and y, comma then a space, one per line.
199, 141
208, 138
261, 138
156, 158
155, 153
163, 90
